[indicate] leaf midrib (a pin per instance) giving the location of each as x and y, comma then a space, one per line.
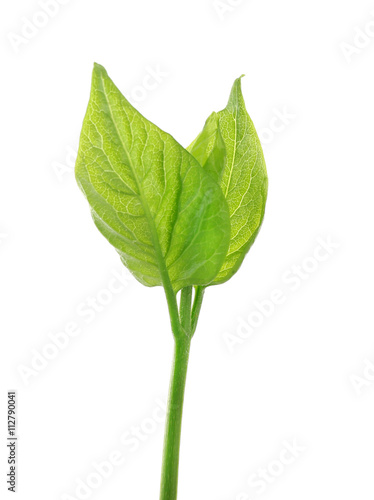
233, 158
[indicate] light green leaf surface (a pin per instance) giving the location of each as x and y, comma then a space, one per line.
150, 198
209, 148
230, 148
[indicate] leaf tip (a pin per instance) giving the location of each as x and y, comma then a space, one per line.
99, 69
235, 94
238, 82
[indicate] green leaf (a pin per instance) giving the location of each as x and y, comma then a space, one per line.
209, 148
230, 149
150, 198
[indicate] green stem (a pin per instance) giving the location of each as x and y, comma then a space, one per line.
198, 300
173, 310
185, 309
183, 327
170, 461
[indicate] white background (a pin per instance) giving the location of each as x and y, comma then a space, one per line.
304, 375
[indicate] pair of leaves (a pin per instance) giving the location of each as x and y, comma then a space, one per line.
176, 218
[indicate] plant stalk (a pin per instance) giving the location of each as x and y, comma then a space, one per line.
173, 426
199, 295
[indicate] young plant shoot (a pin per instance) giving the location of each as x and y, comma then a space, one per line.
181, 218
